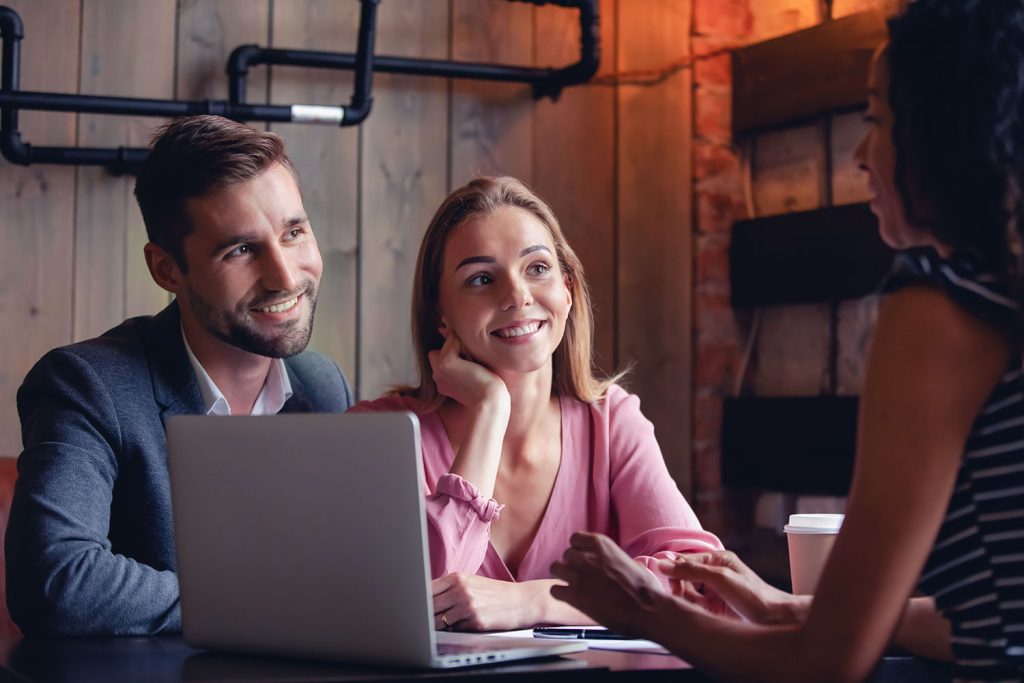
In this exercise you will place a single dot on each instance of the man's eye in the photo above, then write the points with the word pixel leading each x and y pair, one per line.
pixel 479 279
pixel 294 233
pixel 240 250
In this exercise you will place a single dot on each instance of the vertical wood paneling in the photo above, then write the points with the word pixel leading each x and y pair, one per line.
pixel 111 278
pixel 574 159
pixel 208 30
pixel 403 172
pixel 37 212
pixel 327 158
pixel 655 222
pixel 492 123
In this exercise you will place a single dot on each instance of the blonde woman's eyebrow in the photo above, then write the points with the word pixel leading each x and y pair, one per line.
pixel 490 259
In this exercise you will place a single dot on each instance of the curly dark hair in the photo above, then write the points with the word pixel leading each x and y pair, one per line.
pixel 956 88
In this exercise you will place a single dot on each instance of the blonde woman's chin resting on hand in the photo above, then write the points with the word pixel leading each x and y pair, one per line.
pixel 522 443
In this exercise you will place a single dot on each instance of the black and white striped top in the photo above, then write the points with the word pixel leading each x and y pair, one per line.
pixel 976 568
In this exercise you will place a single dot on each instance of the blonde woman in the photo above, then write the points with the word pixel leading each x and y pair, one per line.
pixel 522 444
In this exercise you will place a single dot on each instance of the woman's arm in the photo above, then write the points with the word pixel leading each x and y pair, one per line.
pixel 652 518
pixel 729 587
pixel 484 403
pixel 930 370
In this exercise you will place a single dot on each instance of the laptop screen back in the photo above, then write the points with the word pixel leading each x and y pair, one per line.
pixel 302 534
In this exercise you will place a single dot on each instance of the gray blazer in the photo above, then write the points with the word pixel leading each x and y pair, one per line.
pixel 90 543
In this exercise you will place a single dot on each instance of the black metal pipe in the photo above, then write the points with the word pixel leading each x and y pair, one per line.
pixel 359 108
pixel 245 56
pixel 590 51
pixel 547 82
pixel 132 106
pixel 11 32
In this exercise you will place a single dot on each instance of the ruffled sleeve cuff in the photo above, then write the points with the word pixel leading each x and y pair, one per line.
pixel 454 486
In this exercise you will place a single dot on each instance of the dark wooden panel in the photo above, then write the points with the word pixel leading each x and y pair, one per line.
pixel 820 69
pixel 811 256
pixel 793 445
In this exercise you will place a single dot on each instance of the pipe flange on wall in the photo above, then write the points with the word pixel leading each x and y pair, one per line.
pixel 546 82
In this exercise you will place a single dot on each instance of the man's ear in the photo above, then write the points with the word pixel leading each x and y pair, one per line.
pixel 163 268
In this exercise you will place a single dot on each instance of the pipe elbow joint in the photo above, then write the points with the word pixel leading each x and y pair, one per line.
pixel 241 58
pixel 11 26
pixel 15 150
pixel 357 111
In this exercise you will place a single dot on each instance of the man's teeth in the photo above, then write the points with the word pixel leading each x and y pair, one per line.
pixel 509 332
pixel 279 308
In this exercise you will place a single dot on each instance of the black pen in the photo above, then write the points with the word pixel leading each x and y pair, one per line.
pixel 576 633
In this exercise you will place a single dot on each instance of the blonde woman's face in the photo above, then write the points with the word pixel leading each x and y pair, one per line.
pixel 502 291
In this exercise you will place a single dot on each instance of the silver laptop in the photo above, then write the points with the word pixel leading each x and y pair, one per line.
pixel 305 535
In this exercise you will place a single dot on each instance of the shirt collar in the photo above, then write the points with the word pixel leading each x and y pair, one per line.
pixel 277 388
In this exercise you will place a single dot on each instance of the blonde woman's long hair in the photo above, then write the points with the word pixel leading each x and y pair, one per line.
pixel 573 363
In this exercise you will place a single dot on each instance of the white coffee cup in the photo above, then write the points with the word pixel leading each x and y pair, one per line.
pixel 810 541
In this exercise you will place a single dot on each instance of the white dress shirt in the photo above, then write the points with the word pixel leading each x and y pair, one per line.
pixel 277 388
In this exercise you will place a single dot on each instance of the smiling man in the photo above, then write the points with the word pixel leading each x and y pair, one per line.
pixel 90 544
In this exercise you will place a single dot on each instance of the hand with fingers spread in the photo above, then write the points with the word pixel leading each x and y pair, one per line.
pixel 461 378
pixel 605 583
pixel 720 583
pixel 465 602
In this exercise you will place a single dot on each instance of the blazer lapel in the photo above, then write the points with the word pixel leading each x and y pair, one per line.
pixel 299 402
pixel 174 382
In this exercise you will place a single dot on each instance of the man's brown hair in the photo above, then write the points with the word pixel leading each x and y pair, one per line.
pixel 192 157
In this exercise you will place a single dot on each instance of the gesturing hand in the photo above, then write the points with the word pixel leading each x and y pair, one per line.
pixel 459 377
pixel 720 583
pixel 605 583
pixel 475 603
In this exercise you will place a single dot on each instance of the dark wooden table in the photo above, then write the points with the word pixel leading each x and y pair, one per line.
pixel 167 659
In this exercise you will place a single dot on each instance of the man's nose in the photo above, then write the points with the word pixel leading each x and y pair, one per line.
pixel 278 271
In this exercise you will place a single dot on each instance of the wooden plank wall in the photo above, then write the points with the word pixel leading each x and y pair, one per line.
pixel 612 158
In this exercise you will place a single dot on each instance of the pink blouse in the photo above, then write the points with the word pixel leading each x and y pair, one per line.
pixel 612 479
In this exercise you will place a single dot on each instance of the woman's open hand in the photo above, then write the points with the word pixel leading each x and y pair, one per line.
pixel 605 583
pixel 720 583
pixel 459 377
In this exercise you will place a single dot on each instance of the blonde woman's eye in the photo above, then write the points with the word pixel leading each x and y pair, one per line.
pixel 539 269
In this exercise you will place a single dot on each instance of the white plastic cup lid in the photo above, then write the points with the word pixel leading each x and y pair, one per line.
pixel 814 524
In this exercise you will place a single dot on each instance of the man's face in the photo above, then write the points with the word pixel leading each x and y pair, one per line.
pixel 253 267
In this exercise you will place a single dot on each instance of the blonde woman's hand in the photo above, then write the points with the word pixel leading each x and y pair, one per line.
pixel 462 379
pixel 465 602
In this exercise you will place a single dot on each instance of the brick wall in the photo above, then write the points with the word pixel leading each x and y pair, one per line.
pixel 793 350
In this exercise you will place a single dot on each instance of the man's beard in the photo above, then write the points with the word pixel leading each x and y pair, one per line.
pixel 236 328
